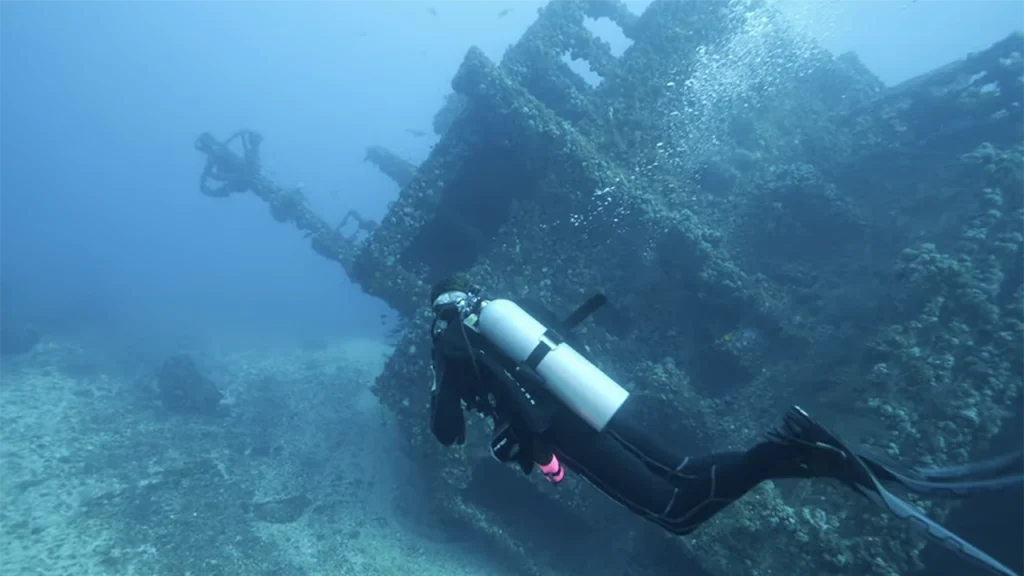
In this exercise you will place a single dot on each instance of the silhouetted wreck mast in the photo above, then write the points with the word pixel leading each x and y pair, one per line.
pixel 228 172
pixel 546 187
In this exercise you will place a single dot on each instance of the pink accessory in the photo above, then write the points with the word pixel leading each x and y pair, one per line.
pixel 553 471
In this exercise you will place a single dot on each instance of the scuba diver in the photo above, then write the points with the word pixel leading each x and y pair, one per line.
pixel 553 409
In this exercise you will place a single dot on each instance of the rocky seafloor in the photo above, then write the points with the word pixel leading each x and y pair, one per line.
pixel 302 476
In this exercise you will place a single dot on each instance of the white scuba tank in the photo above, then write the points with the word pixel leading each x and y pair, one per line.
pixel 584 388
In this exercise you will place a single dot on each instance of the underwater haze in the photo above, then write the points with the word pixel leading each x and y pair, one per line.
pixel 103 226
pixel 120 280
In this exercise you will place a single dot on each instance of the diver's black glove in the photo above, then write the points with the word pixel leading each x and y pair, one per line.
pixel 507 446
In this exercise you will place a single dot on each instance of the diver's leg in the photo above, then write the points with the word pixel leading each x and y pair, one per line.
pixel 610 468
pixel 708 483
pixel 736 471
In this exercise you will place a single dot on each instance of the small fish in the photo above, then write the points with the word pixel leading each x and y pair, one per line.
pixel 741 337
pixel 416 133
pixel 504 13
pixel 431 10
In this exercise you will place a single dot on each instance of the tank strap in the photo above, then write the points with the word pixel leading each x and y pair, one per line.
pixel 553 335
pixel 551 340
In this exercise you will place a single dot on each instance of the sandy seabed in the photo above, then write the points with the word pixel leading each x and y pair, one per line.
pixel 302 477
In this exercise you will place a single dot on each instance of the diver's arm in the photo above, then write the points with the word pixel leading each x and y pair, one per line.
pixel 447 421
pixel 449 359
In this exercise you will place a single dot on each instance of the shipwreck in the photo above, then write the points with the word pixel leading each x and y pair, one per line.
pixel 771 226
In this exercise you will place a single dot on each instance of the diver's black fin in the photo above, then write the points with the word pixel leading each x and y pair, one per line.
pixel 997 467
pixel 939 534
pixel 1000 466
pixel 995 474
pixel 799 428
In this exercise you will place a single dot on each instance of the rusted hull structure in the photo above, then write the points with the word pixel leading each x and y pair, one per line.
pixel 798 235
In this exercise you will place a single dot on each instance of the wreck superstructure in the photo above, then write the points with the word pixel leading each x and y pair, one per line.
pixel 790 232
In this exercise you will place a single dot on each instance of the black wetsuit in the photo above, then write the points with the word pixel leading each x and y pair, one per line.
pixel 651 478
pixel 625 461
